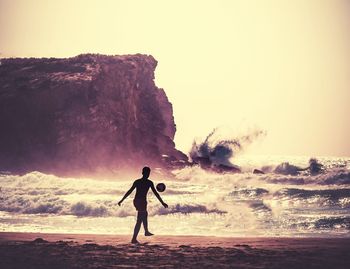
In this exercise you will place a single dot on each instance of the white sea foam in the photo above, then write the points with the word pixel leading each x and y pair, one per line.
pixel 200 202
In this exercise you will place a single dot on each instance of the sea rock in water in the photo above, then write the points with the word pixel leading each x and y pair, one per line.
pixel 39 240
pixel 315 167
pixel 86 115
pixel 257 171
pixel 206 163
pixel 221 168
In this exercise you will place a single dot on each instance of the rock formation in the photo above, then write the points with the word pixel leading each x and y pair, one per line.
pixel 86 115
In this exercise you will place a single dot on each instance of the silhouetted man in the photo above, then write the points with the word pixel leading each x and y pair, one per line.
pixel 142 186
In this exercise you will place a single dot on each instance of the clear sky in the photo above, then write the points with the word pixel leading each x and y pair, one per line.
pixel 282 66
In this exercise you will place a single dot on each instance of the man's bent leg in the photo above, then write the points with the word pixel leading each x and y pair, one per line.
pixel 144 221
pixel 145 224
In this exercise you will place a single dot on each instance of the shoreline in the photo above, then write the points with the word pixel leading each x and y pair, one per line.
pixel 198 240
pixel 42 250
pixel 176 240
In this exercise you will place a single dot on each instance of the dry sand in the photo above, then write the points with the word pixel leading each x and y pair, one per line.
pixel 33 250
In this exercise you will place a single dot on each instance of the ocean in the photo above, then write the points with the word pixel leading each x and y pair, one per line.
pixel 281 202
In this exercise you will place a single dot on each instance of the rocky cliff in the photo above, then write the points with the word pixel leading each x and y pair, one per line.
pixel 86 115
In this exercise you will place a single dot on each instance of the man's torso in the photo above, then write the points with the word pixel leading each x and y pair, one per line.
pixel 142 187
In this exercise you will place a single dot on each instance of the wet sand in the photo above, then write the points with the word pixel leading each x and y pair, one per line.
pixel 35 250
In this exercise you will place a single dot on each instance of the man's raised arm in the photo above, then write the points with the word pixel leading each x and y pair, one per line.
pixel 158 196
pixel 127 193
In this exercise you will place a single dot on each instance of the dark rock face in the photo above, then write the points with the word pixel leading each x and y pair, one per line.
pixel 91 114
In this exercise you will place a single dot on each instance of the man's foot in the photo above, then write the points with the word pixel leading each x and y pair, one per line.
pixel 148 234
pixel 134 241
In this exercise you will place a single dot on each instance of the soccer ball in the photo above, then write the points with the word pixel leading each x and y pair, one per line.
pixel 160 187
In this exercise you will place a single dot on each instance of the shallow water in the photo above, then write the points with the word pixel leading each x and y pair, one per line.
pixel 200 202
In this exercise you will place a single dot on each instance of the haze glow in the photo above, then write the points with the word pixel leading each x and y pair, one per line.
pixel 282 66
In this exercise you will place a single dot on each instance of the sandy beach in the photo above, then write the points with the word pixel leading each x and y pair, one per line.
pixel 36 250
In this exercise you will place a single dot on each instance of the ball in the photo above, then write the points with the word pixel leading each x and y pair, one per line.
pixel 160 187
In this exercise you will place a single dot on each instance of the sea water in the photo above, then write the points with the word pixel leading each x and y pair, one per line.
pixel 201 202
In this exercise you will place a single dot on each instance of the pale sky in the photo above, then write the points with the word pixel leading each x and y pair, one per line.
pixel 282 66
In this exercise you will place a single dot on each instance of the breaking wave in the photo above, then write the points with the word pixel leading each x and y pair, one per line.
pixel 333 223
pixel 187 209
pixel 217 151
pixel 249 192
pixel 332 194
pixel 314 201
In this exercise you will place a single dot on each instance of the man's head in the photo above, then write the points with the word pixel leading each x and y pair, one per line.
pixel 146 171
